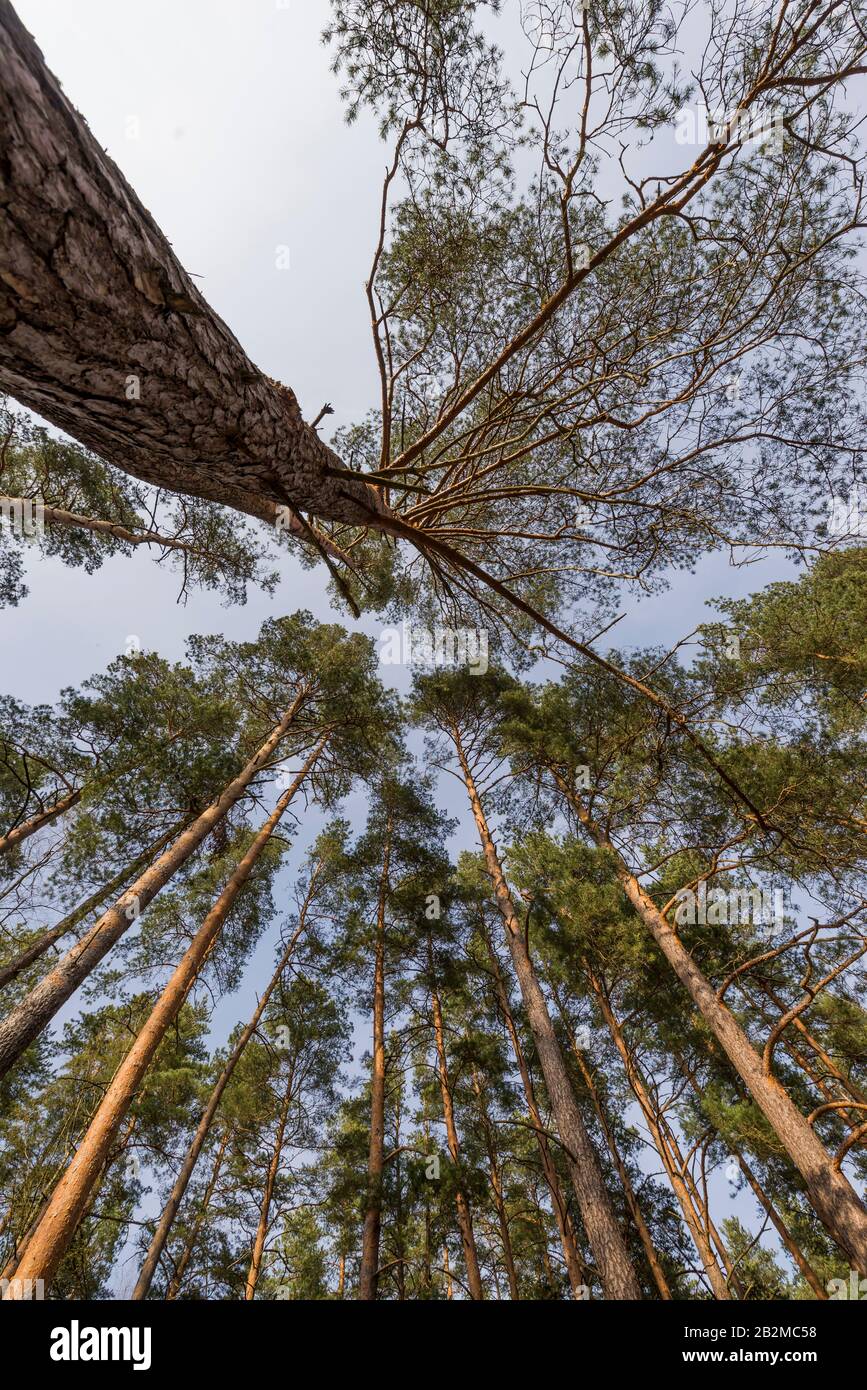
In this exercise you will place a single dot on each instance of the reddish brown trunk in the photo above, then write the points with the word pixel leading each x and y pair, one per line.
pixel 47 940
pixel 782 1230
pixel 94 303
pixel 30 827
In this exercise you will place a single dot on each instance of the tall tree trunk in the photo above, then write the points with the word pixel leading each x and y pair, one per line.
pixel 71 920
pixel 496 1179
pixel 36 1010
pixel 92 296
pixel 189 1246
pixel 188 1166
pixel 574 1266
pixel 58 1224
pixel 465 1216
pixel 834 1199
pixel 623 1173
pixel 615 1269
pixel 664 1141
pixel 267 1196
pixel 369 1272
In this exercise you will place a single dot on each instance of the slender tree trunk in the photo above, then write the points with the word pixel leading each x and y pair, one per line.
pixel 702 1206
pixel 369 1273
pixel 497 1190
pixel 834 1199
pixel 267 1195
pixel 23 832
pixel 623 1173
pixel 465 1216
pixel 782 1229
pixel 341 1276
pixel 448 1273
pixel 58 1224
pixel 46 941
pixel 188 1166
pixel 186 1254
pixel 35 1011
pixel 767 1205
pixel 574 1266
pixel 665 1143
pixel 615 1269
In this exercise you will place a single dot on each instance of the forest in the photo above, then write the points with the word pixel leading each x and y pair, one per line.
pixel 435 944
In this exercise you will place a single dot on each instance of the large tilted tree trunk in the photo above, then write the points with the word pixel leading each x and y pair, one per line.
pixel 103 333
pixel 176 1196
pixel 71 920
pixel 57 1227
pixel 834 1199
pixel 618 1278
pixel 268 1193
pixel 574 1267
pixel 36 1010
pixel 465 1215
pixel 38 822
pixel 368 1277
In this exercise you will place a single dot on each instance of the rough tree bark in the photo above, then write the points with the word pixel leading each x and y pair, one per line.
pixel 574 1267
pixel 103 333
pixel 629 1193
